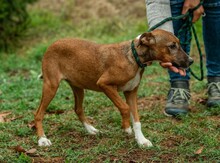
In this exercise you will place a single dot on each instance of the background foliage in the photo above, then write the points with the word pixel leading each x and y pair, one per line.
pixel 13 21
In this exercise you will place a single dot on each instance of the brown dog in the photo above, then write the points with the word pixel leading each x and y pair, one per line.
pixel 108 68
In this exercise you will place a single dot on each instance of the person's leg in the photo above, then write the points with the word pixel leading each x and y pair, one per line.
pixel 211 35
pixel 157 11
pixel 178 96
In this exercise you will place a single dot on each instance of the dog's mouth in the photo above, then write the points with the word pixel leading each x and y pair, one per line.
pixel 178 66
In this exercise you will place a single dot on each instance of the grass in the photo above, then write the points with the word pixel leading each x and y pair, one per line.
pixel 175 140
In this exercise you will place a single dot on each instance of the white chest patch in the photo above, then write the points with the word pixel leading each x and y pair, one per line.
pixel 133 83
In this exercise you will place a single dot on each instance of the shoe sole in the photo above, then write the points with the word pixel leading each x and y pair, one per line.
pixel 168 115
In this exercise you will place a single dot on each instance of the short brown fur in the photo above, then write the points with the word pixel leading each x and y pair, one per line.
pixel 106 68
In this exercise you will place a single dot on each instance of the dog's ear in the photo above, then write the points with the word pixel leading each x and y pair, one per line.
pixel 147 39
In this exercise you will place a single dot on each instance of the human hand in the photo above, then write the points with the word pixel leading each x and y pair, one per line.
pixel 172 68
pixel 189 4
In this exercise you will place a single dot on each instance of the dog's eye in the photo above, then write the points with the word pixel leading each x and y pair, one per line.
pixel 172 46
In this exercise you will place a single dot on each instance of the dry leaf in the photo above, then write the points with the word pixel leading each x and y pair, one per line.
pixel 31 125
pixel 199 151
pixel 13 118
pixel 20 149
pixel 3 115
pixel 31 151
pixel 2 119
pixel 202 101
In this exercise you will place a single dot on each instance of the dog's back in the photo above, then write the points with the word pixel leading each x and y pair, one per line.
pixel 73 59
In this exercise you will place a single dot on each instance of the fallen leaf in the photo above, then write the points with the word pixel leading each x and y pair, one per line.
pixel 31 125
pixel 31 151
pixel 199 151
pixel 2 119
pixel 114 160
pixel 202 101
pixel 3 115
pixel 20 149
pixel 13 118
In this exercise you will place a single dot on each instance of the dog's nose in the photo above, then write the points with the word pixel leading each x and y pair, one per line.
pixel 190 61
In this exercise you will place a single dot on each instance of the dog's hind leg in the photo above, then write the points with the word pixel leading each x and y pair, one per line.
pixel 79 95
pixel 131 99
pixel 49 91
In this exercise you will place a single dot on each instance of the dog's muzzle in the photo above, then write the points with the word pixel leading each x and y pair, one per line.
pixel 190 61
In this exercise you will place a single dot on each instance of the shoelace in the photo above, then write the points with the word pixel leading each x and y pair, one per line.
pixel 214 88
pixel 180 94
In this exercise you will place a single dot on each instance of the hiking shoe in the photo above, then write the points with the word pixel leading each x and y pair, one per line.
pixel 213 92
pixel 178 99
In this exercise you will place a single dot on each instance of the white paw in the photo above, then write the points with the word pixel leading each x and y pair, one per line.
pixel 43 141
pixel 91 130
pixel 143 142
pixel 128 131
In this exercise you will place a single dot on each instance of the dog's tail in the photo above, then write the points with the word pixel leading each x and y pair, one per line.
pixel 40 77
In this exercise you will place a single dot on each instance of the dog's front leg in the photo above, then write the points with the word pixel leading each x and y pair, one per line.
pixel 131 99
pixel 112 93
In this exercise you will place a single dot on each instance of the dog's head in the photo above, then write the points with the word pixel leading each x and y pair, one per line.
pixel 165 47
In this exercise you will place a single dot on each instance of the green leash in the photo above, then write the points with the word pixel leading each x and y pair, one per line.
pixel 187 26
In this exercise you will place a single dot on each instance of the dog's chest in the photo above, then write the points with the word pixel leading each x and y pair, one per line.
pixel 133 83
